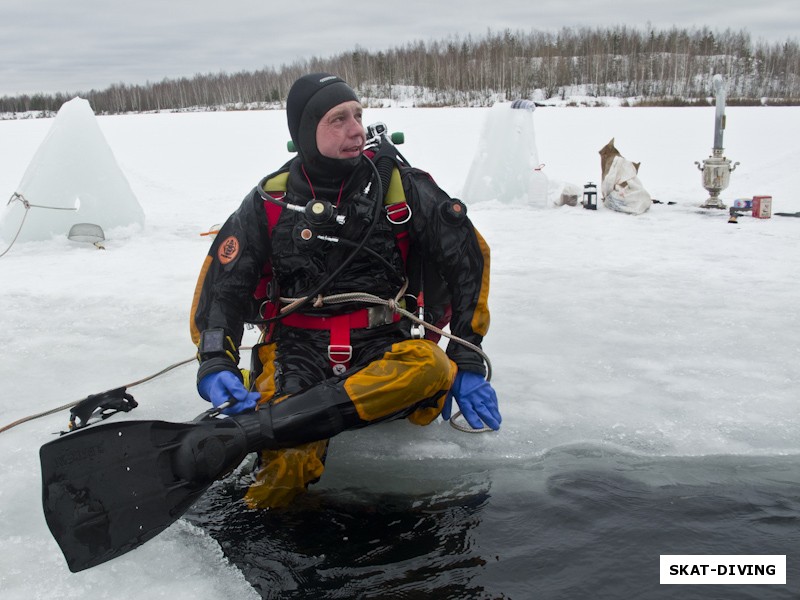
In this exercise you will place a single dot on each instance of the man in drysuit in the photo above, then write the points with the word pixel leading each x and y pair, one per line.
pixel 305 256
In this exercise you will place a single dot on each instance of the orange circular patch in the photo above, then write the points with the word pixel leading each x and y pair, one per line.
pixel 228 250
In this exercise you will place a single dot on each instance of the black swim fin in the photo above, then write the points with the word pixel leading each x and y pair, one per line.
pixel 109 488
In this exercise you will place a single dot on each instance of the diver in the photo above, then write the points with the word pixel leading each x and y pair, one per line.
pixel 304 256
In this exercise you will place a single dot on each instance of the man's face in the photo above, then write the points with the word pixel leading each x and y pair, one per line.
pixel 340 133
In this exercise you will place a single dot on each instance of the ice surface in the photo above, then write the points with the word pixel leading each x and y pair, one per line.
pixel 669 333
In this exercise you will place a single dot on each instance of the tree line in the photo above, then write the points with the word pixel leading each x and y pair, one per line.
pixel 650 65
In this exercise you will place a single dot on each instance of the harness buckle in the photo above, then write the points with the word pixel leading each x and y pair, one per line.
pixel 340 353
pixel 398 213
pixel 378 316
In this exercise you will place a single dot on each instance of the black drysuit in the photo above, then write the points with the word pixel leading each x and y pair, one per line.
pixel 389 375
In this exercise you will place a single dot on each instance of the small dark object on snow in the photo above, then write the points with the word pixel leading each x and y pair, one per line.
pixel 101 406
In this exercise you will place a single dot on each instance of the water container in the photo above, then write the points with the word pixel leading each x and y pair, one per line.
pixel 537 188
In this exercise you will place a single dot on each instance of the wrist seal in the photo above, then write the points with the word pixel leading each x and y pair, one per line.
pixel 214 343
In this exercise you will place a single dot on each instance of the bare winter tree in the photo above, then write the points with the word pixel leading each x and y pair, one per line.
pixel 647 66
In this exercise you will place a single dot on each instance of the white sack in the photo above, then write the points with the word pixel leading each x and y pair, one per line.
pixel 622 190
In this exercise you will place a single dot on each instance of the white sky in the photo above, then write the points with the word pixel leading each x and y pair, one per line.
pixel 52 45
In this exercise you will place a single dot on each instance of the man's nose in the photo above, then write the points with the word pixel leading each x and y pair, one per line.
pixel 354 127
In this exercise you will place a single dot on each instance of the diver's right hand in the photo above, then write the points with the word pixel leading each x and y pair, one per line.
pixel 224 386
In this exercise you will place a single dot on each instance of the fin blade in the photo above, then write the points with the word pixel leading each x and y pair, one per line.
pixel 109 489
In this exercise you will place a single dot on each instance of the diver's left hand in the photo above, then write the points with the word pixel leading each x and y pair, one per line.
pixel 477 400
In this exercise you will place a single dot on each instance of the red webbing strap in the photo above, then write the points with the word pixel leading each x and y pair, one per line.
pixel 273 211
pixel 354 320
pixel 340 351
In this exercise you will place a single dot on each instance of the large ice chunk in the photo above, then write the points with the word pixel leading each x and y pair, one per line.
pixel 506 165
pixel 73 170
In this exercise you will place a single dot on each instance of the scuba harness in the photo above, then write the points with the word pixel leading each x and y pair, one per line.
pixel 386 194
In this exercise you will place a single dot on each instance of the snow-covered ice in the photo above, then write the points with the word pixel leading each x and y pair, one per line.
pixel 669 333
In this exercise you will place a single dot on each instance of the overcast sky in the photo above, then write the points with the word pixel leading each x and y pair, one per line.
pixel 77 45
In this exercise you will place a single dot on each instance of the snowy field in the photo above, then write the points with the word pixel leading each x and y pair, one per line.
pixel 672 333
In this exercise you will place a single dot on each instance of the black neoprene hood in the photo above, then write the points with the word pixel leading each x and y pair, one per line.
pixel 309 99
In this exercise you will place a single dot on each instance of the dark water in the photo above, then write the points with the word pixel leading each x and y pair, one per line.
pixel 577 522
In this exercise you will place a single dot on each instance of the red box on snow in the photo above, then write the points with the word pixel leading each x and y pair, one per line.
pixel 762 207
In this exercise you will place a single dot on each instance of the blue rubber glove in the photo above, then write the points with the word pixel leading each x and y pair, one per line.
pixel 477 400
pixel 224 386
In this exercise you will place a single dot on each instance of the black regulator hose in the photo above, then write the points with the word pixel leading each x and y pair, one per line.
pixel 350 257
pixel 383 169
